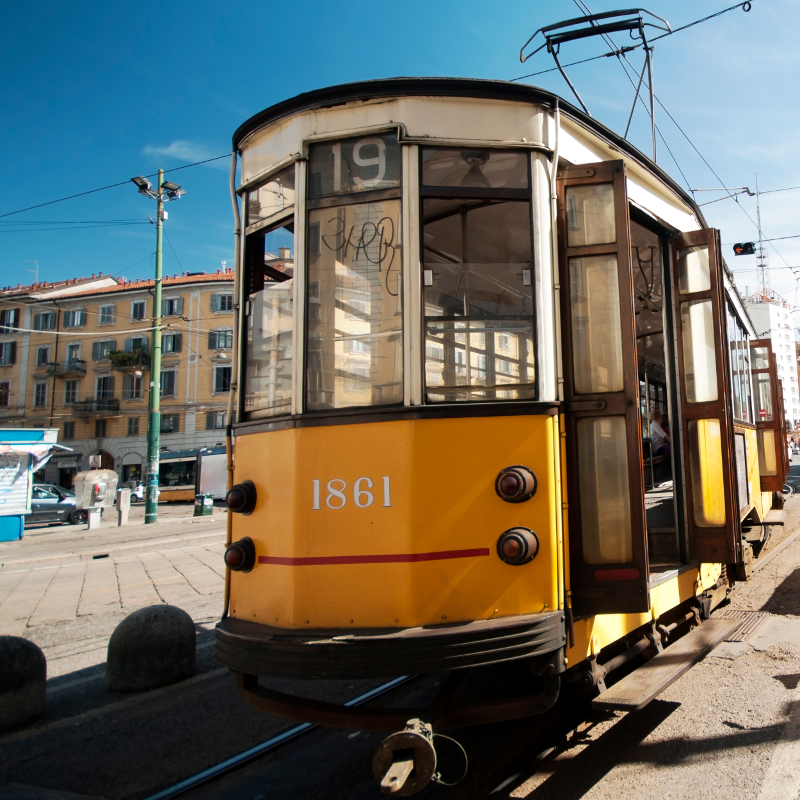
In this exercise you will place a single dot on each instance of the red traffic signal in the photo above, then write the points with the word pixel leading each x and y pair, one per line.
pixel 744 249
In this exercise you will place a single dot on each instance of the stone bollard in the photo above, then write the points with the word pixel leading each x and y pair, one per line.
pixel 152 647
pixel 23 677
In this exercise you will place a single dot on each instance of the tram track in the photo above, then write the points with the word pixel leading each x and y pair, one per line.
pixel 251 754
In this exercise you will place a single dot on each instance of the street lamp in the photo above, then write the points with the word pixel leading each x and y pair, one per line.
pixel 165 192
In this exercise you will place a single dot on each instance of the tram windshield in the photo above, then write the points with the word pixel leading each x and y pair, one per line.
pixel 477 276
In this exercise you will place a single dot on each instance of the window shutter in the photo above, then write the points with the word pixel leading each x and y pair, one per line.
pixel 143 343
pixel 82 317
pixel 13 355
pixel 215 302
pixel 37 322
pixel 179 309
pixel 212 340
pixel 177 340
pixel 129 345
pixel 164 308
pixel 96 351
pixel 112 345
pixel 209 420
pixel 127 386
pixel 110 385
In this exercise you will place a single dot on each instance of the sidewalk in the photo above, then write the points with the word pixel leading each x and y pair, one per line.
pixel 67 588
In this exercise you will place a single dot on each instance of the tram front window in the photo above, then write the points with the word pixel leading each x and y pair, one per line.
pixel 268 323
pixel 478 276
pixel 354 303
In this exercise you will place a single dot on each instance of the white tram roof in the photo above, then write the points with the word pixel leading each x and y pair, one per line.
pixel 466 111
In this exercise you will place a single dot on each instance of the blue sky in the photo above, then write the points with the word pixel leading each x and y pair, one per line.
pixel 94 93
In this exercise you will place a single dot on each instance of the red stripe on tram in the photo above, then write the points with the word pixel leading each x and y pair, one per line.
pixel 394 558
pixel 628 574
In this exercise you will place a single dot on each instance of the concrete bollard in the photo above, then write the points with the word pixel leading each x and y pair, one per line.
pixel 23 679
pixel 152 647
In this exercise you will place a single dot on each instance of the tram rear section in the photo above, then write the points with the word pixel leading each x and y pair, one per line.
pixel 444 459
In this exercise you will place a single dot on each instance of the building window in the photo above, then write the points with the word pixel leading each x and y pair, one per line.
pixel 73 352
pixel 5 393
pixel 74 319
pixel 222 302
pixel 136 344
pixel 360 306
pixel 170 423
pixel 8 353
pixel 100 428
pixel 105 387
pixel 503 341
pixel 222 380
pixel 133 426
pixel 168 381
pixel 138 309
pixel 358 345
pixel 9 320
pixel 171 343
pixel 40 395
pixel 106 315
pixel 215 420
pixel 44 321
pixel 70 392
pixel 100 350
pixel 69 430
pixel 42 355
pixel 221 339
pixel 172 307
pixel 132 387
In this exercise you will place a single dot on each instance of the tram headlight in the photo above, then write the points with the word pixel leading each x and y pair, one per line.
pixel 517 546
pixel 242 498
pixel 241 556
pixel 515 484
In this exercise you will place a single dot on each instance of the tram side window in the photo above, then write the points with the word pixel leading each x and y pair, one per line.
pixel 739 345
pixel 269 345
pixel 354 304
pixel 478 276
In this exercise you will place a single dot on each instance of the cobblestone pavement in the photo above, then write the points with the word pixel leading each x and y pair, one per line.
pixel 66 588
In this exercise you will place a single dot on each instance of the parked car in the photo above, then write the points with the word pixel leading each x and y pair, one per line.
pixel 51 503
pixel 137 490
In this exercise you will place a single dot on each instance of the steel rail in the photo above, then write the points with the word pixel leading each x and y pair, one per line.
pixel 246 756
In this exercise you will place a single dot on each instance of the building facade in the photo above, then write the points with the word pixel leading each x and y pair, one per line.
pixel 78 359
pixel 772 318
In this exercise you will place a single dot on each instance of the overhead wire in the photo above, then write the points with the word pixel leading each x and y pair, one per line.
pixel 110 186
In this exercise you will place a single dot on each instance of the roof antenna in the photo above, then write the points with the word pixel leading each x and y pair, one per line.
pixel 35 272
pixel 633 22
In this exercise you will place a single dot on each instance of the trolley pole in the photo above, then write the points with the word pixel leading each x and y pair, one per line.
pixel 154 409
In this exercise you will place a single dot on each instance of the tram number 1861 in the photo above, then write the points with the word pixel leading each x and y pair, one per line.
pixel 337 494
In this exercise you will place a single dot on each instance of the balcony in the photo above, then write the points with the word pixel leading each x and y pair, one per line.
pixel 126 362
pixel 72 368
pixel 89 408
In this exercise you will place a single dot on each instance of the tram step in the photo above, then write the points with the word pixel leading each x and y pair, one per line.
pixel 775 516
pixel 646 683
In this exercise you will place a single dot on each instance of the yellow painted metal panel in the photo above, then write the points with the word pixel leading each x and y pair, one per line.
pixel 442 499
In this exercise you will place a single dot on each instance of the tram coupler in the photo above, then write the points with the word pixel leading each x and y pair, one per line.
pixel 405 762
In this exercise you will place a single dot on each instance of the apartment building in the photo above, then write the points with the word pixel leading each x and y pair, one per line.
pixel 772 318
pixel 79 360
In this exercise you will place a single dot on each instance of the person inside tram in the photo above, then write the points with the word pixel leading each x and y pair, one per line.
pixel 659 438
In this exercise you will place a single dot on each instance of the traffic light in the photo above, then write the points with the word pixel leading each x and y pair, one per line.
pixel 744 249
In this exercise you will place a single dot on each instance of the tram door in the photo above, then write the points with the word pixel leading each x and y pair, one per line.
pixel 605 470
pixel 705 398
pixel 769 422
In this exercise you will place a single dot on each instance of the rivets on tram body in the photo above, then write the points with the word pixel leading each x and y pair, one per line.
pixel 517 546
pixel 515 484
pixel 241 498
pixel 241 556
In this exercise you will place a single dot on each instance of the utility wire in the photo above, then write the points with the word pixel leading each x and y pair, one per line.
pixel 110 186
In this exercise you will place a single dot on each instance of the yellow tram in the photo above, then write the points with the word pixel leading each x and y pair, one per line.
pixel 459 304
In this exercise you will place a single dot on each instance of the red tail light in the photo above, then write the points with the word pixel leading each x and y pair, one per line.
pixel 518 546
pixel 516 484
pixel 241 556
pixel 242 498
